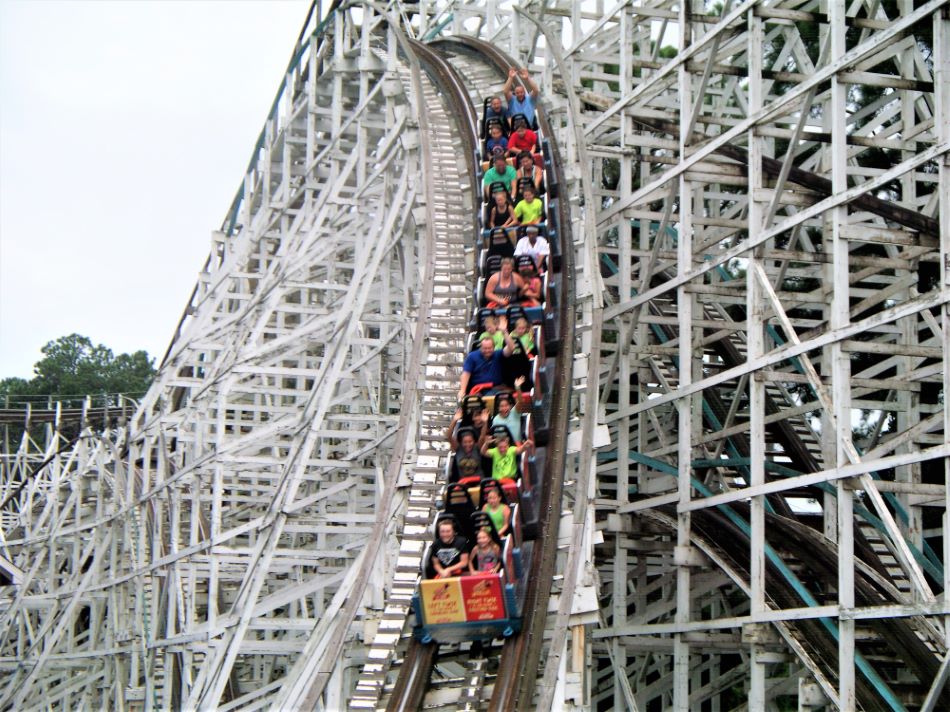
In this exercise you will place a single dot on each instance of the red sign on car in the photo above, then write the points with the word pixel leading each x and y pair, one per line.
pixel 483 597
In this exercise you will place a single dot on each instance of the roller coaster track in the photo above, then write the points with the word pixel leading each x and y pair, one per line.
pixel 399 241
pixel 451 183
pixel 20 416
pixel 797 553
pixel 911 641
pixel 514 687
pixel 798 574
pixel 482 69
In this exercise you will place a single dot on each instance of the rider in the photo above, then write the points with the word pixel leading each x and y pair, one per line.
pixel 449 554
pixel 495 111
pixel 499 512
pixel 468 459
pixel 486 556
pixel 504 287
pixel 502 213
pixel 496 140
pixel 529 209
pixel 482 368
pixel 521 139
pixel 508 415
pixel 528 171
pixel 520 100
pixel 535 246
pixel 500 172
pixel 504 456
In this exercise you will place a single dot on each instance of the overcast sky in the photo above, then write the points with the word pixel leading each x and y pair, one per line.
pixel 125 129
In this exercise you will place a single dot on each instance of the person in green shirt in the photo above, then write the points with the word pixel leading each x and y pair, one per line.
pixel 522 332
pixel 529 209
pixel 495 330
pixel 500 172
pixel 504 456
pixel 499 512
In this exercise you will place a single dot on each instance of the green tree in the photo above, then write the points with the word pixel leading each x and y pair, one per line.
pixel 73 367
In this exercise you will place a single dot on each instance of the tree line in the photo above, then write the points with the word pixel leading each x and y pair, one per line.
pixel 73 368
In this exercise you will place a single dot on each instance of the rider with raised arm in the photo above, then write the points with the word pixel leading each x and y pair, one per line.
pixel 468 459
pixel 520 99
pixel 509 412
pixel 504 456
pixel 482 368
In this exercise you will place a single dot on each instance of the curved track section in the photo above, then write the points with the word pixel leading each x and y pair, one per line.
pixel 802 565
pixel 747 405
pixel 450 134
pixel 512 673
pixel 762 281
pixel 514 688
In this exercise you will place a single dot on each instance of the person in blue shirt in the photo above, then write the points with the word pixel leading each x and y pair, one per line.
pixel 496 139
pixel 482 368
pixel 521 100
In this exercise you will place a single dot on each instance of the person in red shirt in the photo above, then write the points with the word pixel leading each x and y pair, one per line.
pixel 521 139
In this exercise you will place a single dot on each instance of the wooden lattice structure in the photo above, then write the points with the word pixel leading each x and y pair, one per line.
pixel 188 559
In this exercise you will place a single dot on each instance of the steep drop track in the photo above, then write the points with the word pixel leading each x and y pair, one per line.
pixel 449 131
pixel 482 70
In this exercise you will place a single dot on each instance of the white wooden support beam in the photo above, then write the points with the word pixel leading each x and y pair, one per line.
pixel 755 348
pixel 686 420
pixel 775 108
pixel 941 71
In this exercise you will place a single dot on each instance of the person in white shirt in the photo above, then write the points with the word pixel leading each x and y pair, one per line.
pixel 535 246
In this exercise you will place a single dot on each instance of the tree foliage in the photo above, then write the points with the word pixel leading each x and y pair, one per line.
pixel 73 367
